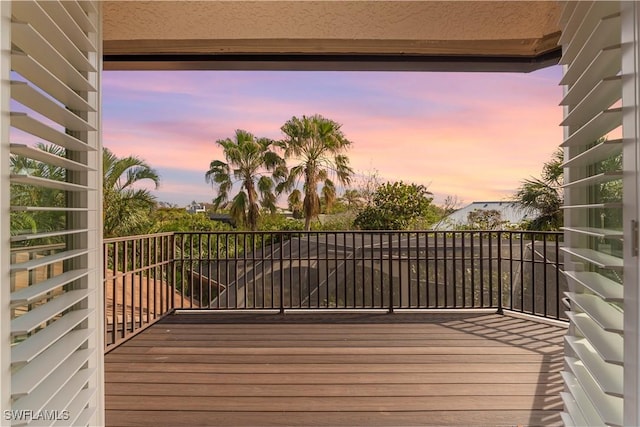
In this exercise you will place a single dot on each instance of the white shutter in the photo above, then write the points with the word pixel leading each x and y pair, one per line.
pixel 593 213
pixel 56 323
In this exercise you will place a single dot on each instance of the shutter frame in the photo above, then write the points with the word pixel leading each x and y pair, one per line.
pixel 592 56
pixel 630 40
pixel 55 318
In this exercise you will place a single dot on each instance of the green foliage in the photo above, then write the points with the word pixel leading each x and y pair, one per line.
pixel 317 144
pixel 126 209
pixel 278 222
pixel 353 199
pixel 610 191
pixel 485 219
pixel 339 206
pixel 544 195
pixel 335 222
pixel 248 159
pixel 29 222
pixel 295 204
pixel 395 206
pixel 431 216
pixel 179 220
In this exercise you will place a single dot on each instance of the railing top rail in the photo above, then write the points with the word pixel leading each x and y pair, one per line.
pixel 555 233
pixel 329 232
pixel 139 236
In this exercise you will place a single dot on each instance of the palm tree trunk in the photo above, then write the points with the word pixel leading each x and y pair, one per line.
pixel 310 194
pixel 252 208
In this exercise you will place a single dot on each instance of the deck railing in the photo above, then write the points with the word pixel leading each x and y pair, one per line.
pixel 139 283
pixel 353 270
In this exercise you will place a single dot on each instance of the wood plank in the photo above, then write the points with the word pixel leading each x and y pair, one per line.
pixel 223 335
pixel 502 334
pixel 331 358
pixel 332 350
pixel 321 320
pixel 340 378
pixel 358 334
pixel 324 403
pixel 331 390
pixel 322 346
pixel 351 329
pixel 303 340
pixel 264 368
pixel 422 339
pixel 332 418
pixel 510 324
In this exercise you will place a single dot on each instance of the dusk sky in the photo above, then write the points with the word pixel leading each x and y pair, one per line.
pixel 471 135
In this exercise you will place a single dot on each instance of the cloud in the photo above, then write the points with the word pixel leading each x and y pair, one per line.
pixel 476 135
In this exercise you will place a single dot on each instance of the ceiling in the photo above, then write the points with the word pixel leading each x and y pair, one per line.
pixel 366 34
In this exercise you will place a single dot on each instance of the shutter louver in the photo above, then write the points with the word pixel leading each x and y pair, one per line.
pixel 593 213
pixel 54 143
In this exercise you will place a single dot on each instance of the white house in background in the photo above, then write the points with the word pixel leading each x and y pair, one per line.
pixel 511 214
pixel 196 208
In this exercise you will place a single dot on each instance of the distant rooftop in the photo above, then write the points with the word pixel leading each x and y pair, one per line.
pixel 511 213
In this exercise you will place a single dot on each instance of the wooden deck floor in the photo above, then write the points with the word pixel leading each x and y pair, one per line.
pixel 337 370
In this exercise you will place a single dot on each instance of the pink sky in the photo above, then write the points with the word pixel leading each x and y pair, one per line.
pixel 473 135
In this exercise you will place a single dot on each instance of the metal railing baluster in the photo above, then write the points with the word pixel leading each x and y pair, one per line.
pixel 182 264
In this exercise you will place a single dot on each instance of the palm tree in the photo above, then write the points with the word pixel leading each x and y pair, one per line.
pixel 126 208
pixel 295 203
pixel 317 145
pixel 247 160
pixel 23 221
pixel 544 195
pixel 353 198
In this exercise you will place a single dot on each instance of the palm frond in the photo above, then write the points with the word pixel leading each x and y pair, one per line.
pixel 248 159
pixel 317 143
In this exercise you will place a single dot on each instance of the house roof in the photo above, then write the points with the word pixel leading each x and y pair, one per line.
pixel 365 34
pixel 510 212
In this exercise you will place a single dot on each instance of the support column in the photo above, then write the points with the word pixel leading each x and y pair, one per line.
pixel 630 12
pixel 5 247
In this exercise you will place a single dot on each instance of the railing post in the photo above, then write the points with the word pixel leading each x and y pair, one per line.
pixel 390 246
pixel 281 276
pixel 172 269
pixel 500 281
pixel 105 263
pixel 557 266
pixel 544 273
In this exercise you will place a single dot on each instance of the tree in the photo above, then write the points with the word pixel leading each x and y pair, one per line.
pixel 544 195
pixel 352 198
pixel 449 206
pixel 126 207
pixel 395 206
pixel 317 144
pixel 295 204
pixel 484 219
pixel 23 221
pixel 610 191
pixel 328 196
pixel 248 160
pixel 178 219
pixel 368 184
